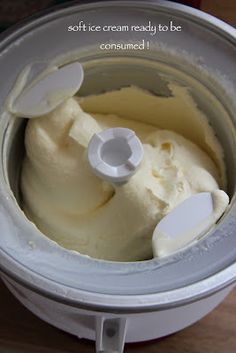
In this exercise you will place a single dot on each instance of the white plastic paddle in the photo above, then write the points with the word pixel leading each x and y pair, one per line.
pixel 47 92
pixel 188 221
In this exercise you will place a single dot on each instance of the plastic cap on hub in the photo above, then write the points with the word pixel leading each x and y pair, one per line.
pixel 115 154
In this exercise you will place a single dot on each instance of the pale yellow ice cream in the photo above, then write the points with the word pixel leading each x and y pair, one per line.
pixel 72 206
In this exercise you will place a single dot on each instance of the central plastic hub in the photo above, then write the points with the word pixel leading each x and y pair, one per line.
pixel 115 154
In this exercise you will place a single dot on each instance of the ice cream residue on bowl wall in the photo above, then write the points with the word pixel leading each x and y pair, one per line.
pixel 81 212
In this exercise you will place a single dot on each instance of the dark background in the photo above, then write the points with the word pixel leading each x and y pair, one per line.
pixel 12 11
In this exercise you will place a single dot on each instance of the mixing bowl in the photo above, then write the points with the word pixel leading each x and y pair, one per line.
pixel 112 302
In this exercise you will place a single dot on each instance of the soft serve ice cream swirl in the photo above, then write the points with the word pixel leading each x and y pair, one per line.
pixel 79 211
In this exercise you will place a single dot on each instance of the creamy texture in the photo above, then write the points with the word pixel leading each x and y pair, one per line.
pixel 78 210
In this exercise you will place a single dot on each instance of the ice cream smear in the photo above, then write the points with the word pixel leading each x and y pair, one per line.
pixel 82 212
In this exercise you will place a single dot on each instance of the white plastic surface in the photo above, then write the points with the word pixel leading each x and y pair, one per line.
pixel 110 334
pixel 187 216
pixel 183 224
pixel 47 93
pixel 136 327
pixel 115 154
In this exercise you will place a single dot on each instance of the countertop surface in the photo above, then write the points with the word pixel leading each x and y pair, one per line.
pixel 22 332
